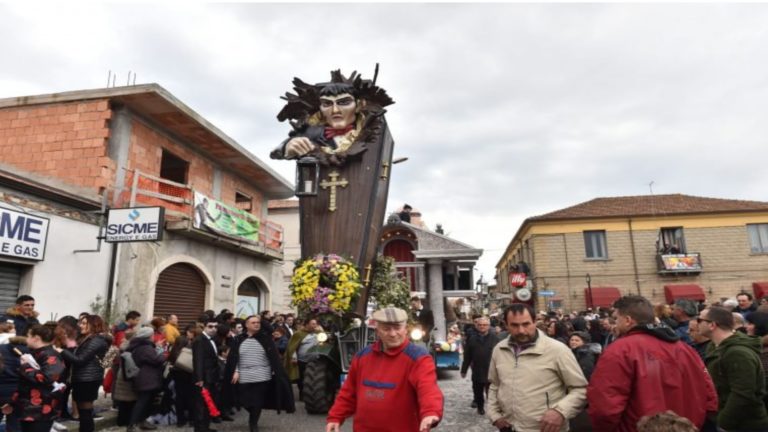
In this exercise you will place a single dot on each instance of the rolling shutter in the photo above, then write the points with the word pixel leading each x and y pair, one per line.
pixel 180 290
pixel 10 278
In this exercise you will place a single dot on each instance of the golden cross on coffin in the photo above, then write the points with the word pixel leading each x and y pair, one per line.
pixel 325 184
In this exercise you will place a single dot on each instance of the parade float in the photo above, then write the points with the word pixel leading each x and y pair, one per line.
pixel 343 152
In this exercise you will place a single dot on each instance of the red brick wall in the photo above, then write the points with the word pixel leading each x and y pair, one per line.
pixel 66 141
pixel 146 152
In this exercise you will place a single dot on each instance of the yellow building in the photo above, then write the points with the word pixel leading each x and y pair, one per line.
pixel 663 247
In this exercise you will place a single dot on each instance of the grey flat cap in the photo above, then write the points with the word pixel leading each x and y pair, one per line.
pixel 390 315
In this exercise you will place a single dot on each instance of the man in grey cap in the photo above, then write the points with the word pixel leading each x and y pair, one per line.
pixel 683 311
pixel 391 385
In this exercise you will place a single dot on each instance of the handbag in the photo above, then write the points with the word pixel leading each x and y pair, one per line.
pixel 184 361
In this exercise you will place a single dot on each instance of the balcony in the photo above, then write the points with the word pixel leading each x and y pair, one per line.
pixel 190 213
pixel 679 264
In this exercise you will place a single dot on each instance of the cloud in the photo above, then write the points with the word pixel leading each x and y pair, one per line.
pixel 505 111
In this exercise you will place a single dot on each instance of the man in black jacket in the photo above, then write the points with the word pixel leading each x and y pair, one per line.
pixel 205 362
pixel 477 354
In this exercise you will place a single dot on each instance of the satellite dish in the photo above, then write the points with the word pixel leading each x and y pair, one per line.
pixel 523 294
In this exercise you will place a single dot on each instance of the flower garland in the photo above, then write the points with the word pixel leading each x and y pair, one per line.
pixel 324 284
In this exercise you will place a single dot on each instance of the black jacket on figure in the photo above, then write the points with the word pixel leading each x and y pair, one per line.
pixel 85 359
pixel 9 378
pixel 279 394
pixel 150 365
pixel 477 353
pixel 205 361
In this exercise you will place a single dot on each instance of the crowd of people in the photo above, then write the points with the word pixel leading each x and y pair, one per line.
pixel 158 373
pixel 689 366
pixel 684 367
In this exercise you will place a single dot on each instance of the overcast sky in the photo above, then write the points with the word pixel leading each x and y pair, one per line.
pixel 504 111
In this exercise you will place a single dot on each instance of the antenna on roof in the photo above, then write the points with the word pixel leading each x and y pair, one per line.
pixel 129 79
pixel 650 186
pixel 109 77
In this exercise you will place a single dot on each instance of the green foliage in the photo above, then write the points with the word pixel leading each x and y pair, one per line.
pixel 388 288
pixel 99 307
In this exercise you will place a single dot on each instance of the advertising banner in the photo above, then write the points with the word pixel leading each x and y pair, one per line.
pixel 135 224
pixel 681 262
pixel 22 235
pixel 222 219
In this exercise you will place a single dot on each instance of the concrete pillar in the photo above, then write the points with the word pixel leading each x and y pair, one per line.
pixel 436 298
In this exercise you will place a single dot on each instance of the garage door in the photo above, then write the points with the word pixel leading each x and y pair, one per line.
pixel 180 290
pixel 10 278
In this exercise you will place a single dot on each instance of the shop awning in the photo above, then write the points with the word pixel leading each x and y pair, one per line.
pixel 684 291
pixel 601 296
pixel 760 289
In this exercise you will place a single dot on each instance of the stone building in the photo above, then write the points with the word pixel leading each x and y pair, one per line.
pixel 69 157
pixel 663 247
pixel 437 267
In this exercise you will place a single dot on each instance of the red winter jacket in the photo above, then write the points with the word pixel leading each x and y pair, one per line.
pixel 389 390
pixel 645 372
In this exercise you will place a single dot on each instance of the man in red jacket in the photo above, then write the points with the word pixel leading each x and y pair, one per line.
pixel 647 370
pixel 392 384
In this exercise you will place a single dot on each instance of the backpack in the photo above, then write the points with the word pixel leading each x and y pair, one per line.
pixel 130 370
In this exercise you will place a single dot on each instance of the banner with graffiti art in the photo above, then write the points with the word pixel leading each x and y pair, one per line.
pixel 215 216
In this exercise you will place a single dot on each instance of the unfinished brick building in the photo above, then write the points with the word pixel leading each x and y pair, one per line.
pixel 67 156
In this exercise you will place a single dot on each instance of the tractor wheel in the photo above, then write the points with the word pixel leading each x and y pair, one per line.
pixel 320 386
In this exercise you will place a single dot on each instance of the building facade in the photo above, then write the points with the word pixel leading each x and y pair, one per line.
pixel 71 157
pixel 286 214
pixel 663 247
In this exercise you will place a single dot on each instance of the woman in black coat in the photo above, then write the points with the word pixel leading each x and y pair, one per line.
pixel 256 369
pixel 150 378
pixel 585 351
pixel 184 381
pixel 87 373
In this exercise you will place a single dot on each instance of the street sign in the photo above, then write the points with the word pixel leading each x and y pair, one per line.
pixel 546 293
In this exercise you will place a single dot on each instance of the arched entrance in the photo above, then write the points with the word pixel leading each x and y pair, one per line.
pixel 180 290
pixel 251 297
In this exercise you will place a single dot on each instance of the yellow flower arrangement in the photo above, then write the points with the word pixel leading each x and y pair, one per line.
pixel 324 284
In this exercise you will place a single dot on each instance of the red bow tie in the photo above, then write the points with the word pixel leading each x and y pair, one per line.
pixel 331 132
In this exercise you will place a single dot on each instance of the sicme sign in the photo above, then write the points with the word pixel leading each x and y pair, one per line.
pixel 135 224
pixel 22 235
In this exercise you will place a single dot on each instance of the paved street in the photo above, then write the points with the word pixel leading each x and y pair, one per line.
pixel 458 414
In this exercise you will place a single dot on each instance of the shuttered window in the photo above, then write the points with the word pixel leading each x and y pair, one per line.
pixel 10 279
pixel 180 290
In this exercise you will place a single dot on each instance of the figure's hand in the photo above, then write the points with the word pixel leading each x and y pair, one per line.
pixel 332 427
pixel 501 424
pixel 199 384
pixel 463 374
pixel 7 409
pixel 552 421
pixel 235 377
pixel 427 423
pixel 297 147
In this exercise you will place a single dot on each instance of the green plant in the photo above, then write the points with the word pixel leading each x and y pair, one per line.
pixel 388 288
pixel 110 313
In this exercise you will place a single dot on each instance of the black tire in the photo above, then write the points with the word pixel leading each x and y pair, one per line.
pixel 320 386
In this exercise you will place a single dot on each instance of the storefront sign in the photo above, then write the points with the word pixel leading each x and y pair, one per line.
pixel 22 235
pixel 222 219
pixel 135 224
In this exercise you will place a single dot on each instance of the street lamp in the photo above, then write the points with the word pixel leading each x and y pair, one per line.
pixel 589 291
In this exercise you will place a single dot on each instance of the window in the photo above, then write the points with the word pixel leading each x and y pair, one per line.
pixel 594 245
pixel 672 241
pixel 173 168
pixel 758 237
pixel 243 201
